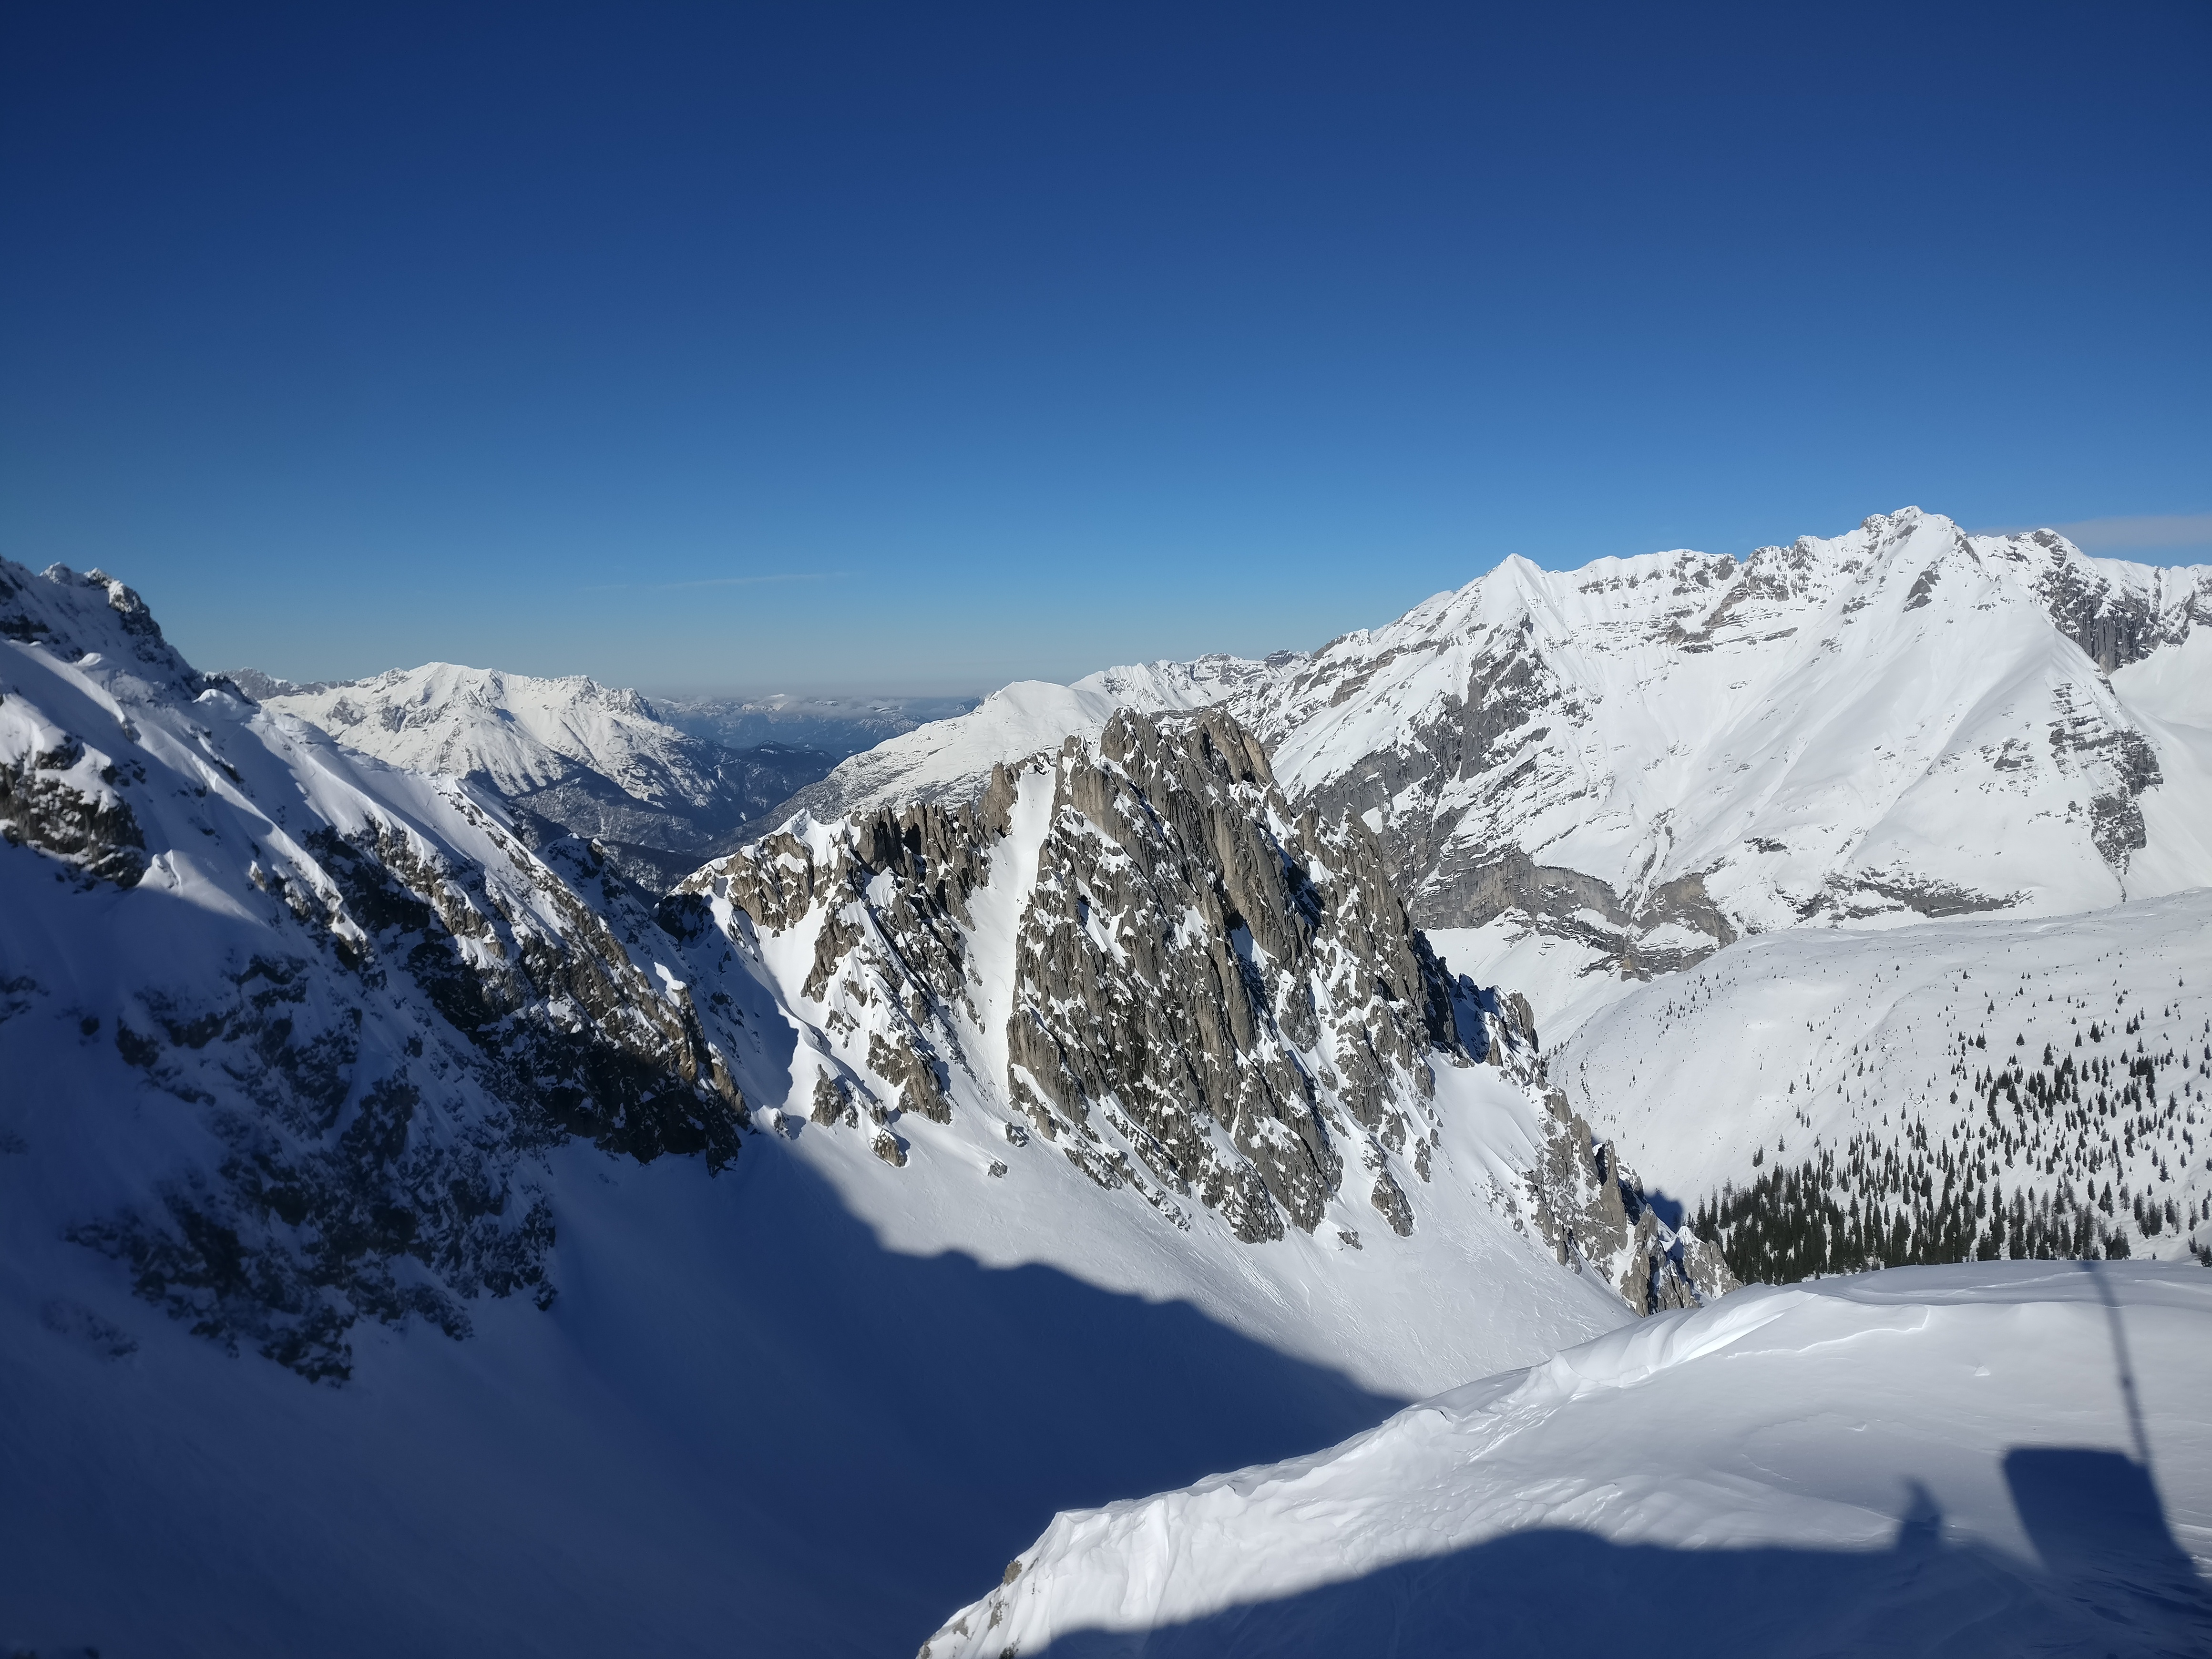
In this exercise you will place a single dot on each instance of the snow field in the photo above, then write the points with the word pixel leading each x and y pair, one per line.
pixel 1924 1460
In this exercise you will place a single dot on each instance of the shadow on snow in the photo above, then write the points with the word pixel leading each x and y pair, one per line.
pixel 2111 1580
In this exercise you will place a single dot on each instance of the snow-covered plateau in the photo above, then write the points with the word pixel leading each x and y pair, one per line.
pixel 2011 1458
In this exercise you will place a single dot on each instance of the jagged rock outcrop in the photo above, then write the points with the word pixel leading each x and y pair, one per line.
pixel 1580 1199
pixel 1135 953
pixel 1198 994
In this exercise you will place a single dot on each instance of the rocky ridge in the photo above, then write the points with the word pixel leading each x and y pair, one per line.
pixel 1588 778
pixel 346 1010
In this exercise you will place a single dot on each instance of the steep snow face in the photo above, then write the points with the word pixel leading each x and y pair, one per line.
pixel 288 1031
pixel 1997 1458
pixel 2002 1084
pixel 1649 758
pixel 589 758
pixel 951 759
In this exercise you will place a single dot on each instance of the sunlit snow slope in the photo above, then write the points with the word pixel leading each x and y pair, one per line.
pixel 1611 771
pixel 1995 1460
pixel 1946 1073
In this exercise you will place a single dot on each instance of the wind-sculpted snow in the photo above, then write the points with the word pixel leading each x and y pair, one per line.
pixel 2016 1086
pixel 576 756
pixel 2001 1459
pixel 288 1031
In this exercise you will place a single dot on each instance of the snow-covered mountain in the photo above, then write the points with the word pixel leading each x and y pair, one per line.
pixel 1615 771
pixel 2000 1458
pixel 380 1184
pixel 588 759
pixel 951 759
pixel 1130 965
pixel 1585 777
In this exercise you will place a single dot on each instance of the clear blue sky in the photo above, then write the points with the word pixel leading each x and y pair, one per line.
pixel 923 346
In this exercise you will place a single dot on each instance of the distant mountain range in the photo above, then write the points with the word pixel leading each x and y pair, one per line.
pixel 570 757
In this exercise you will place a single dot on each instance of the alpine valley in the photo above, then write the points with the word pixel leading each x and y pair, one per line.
pixel 494 1163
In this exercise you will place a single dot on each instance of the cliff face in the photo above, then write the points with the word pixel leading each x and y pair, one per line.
pixel 1134 952
pixel 1186 990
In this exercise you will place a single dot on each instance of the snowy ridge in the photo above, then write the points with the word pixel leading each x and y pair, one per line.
pixel 951 759
pixel 1620 769
pixel 588 758
pixel 352 1008
pixel 2010 1085
pixel 1931 1461
pixel 1586 777
pixel 522 734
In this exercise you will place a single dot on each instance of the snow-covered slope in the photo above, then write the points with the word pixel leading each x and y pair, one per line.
pixel 951 759
pixel 385 1265
pixel 2026 1084
pixel 285 1028
pixel 1995 1460
pixel 1614 771
pixel 591 759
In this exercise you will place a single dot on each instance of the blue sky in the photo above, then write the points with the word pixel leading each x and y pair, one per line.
pixel 919 348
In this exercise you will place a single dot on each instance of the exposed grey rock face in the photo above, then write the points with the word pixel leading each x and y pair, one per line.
pixel 1207 998
pixel 1134 951
pixel 1592 1211
pixel 2116 613
pixel 359 1004
pixel 1184 936
pixel 1580 1199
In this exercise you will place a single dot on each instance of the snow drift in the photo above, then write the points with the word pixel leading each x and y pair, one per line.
pixel 2000 1458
